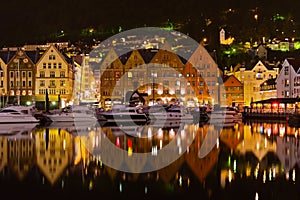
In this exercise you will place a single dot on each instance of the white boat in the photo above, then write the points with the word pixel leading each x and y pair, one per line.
pixel 225 116
pixel 74 114
pixel 171 112
pixel 17 114
pixel 123 114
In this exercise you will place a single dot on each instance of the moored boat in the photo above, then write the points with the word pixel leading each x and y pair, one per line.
pixel 17 114
pixel 123 114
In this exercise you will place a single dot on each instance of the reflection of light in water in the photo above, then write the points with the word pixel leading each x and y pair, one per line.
pixel 256 196
pixel 281 131
pixel 287 176
pixel 275 129
pixel 266 142
pixel 261 129
pixel 172 133
pixel 159 133
pixel 149 132
pixel 160 144
pixel 264 176
pixel 294 175
pixel 229 176
pixel 182 134
pixel 178 141
pixel 269 131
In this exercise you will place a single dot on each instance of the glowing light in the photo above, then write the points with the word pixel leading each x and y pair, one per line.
pixel 118 142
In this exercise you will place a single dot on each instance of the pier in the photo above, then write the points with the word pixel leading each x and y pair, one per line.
pixel 274 108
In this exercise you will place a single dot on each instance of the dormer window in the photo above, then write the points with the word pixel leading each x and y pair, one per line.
pixel 51 57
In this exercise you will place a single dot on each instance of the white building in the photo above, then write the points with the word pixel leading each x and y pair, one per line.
pixel 288 80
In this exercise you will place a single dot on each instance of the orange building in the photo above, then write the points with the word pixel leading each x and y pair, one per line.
pixel 234 91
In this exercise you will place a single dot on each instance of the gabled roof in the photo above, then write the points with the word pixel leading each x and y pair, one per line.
pixel 34 55
pixel 249 66
pixel 295 62
pixel 78 59
pixel 123 58
pixel 148 54
pixel 226 78
pixel 6 56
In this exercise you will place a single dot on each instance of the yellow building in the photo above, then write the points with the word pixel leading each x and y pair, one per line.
pixel 54 74
pixel 3 79
pixel 252 76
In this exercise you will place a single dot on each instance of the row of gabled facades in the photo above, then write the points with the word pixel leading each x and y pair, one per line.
pixel 157 75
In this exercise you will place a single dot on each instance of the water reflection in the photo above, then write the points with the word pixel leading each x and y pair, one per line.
pixel 60 156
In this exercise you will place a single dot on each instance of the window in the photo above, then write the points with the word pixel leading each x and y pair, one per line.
pixel 49 65
pixel 11 74
pixel 62 74
pixel 1 74
pixel 11 84
pixel 52 74
pixel 1 84
pixel 23 83
pixel 23 74
pixel 42 83
pixel 129 74
pixel 166 82
pixel 59 65
pixel 51 57
pixel 29 74
pixel 44 65
pixel 62 83
pixel 286 70
pixel 29 84
pixel 54 65
pixel 42 74
pixel 52 83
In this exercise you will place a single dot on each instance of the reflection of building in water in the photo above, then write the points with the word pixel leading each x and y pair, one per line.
pixel 21 156
pixel 288 152
pixel 232 136
pixel 54 150
pixel 273 128
pixel 3 152
pixel 201 167
pixel 258 144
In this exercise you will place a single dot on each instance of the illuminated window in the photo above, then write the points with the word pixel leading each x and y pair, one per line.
pixel 286 70
pixel 62 74
pixel 42 74
pixel 129 75
pixel 52 74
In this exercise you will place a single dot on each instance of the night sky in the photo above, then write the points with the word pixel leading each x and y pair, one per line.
pixel 33 21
